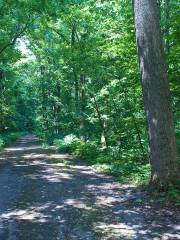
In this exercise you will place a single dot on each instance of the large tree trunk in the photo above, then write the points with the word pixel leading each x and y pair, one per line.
pixel 154 80
pixel 167 25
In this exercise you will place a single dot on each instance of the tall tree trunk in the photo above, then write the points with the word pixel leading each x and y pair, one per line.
pixel 83 105
pixel 102 123
pixel 76 82
pixel 58 107
pixel 76 88
pixel 155 86
pixel 167 25
pixel 44 99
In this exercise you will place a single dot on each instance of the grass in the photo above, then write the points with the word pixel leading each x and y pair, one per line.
pixel 126 172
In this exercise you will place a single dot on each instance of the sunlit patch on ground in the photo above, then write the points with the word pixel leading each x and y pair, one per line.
pixel 60 156
pixel 35 156
pixel 17 149
pixel 115 231
pixel 77 203
pixel 27 215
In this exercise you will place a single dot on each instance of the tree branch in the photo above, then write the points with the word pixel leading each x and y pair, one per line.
pixel 16 36
pixel 60 34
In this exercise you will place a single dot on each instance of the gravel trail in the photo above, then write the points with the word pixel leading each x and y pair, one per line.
pixel 50 196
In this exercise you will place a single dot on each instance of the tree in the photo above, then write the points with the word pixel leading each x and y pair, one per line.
pixel 155 86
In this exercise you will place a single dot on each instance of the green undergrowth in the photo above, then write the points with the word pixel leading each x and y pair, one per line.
pixel 165 194
pixel 125 168
pixel 7 138
pixel 126 172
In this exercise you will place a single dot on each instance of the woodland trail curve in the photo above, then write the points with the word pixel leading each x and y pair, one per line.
pixel 50 196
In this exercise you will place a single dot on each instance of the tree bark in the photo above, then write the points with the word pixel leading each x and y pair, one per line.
pixel 2 101
pixel 76 82
pixel 167 25
pixel 155 86
pixel 101 123
pixel 82 104
pixel 76 88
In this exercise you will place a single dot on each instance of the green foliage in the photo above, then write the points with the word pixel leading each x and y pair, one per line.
pixel 126 172
pixel 166 193
pixel 1 143
pixel 104 159
pixel 173 194
pixel 8 138
pixel 46 137
pixel 66 144
pixel 85 150
pixel 80 148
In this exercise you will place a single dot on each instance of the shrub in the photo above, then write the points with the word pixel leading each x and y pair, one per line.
pixel 85 150
pixel 129 172
pixel 7 138
pixel 66 144
pixel 69 139
pixel 80 148
pixel 104 158
pixel 1 143
pixel 61 146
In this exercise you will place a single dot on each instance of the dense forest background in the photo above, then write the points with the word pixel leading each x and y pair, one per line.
pixel 69 72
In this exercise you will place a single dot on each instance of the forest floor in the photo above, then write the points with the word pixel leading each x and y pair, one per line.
pixel 45 195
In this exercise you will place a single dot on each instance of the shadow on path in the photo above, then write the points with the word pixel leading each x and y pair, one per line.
pixel 51 196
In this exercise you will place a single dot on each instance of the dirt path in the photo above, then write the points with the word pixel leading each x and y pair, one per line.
pixel 48 196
